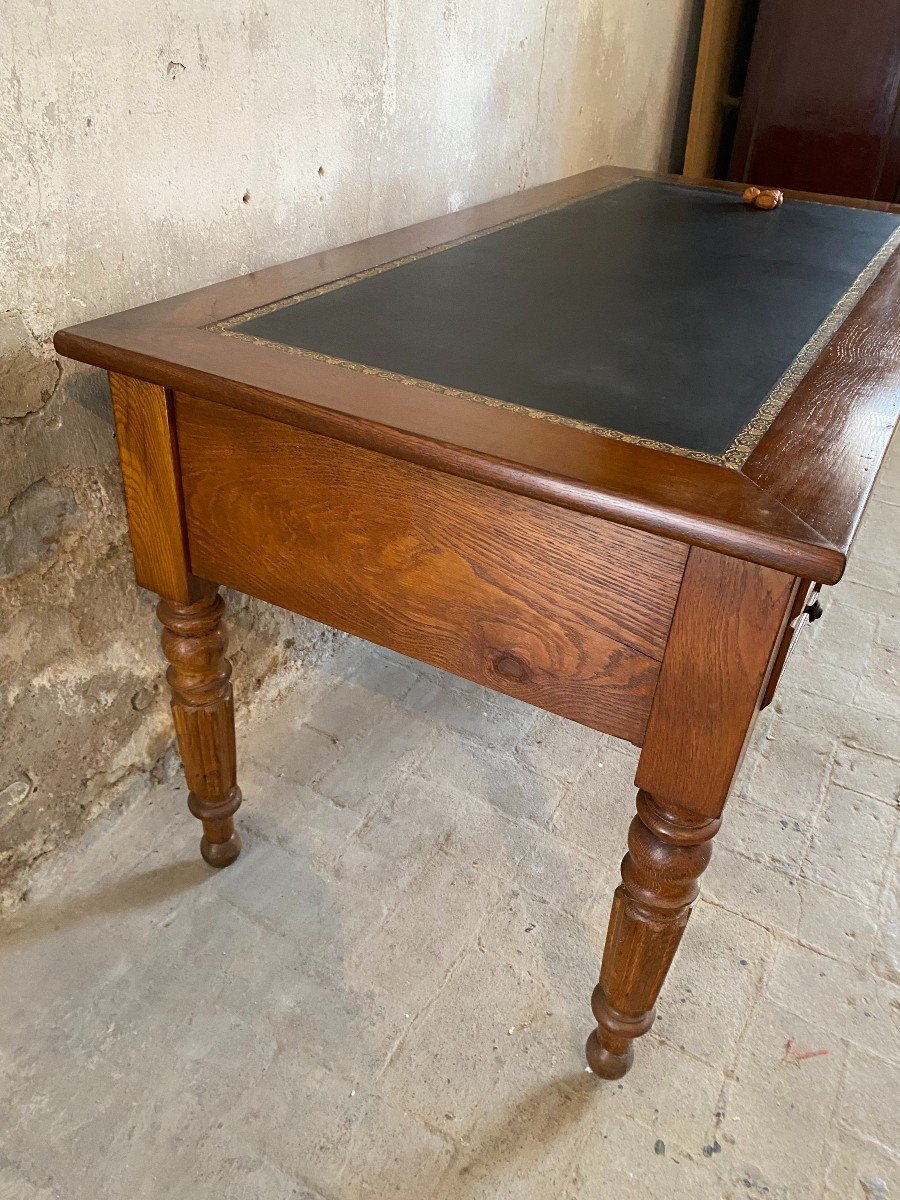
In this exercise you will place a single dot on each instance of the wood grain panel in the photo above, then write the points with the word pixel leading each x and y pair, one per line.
pixel 725 633
pixel 565 611
pixel 148 454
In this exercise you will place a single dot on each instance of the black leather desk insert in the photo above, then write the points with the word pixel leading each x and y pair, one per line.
pixel 663 312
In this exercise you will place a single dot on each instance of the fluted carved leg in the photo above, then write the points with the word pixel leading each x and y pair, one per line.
pixel 194 642
pixel 668 850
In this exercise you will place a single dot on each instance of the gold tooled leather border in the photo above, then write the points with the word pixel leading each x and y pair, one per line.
pixel 736 454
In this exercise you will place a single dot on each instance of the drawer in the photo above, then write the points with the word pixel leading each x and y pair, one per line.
pixel 806 600
pixel 560 609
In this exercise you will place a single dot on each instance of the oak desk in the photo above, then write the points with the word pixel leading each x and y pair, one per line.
pixel 595 445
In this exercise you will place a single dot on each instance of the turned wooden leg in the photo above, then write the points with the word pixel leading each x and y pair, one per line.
pixel 194 642
pixel 728 624
pixel 668 850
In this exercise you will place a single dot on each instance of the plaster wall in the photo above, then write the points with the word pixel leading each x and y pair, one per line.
pixel 149 147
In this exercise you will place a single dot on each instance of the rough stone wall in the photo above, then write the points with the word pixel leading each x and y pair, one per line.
pixel 149 148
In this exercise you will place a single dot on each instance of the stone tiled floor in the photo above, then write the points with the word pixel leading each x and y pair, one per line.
pixel 387 995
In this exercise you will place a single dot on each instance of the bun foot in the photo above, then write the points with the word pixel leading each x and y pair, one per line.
pixel 606 1064
pixel 221 854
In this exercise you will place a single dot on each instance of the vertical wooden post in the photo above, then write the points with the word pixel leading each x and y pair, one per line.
pixel 724 638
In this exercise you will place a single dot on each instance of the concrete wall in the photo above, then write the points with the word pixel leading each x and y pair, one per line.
pixel 149 147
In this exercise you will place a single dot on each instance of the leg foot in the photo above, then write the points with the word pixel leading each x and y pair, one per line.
pixel 221 854
pixel 668 849
pixel 194 642
pixel 606 1064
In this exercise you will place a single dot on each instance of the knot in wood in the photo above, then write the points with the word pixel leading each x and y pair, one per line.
pixel 511 666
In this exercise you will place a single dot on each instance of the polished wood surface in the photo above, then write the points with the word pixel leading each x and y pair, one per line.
pixel 725 635
pixel 562 610
pixel 194 641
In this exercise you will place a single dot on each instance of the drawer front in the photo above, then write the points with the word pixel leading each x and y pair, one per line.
pixel 807 595
pixel 563 610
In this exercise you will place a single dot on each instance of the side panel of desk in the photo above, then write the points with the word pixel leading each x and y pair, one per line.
pixel 563 610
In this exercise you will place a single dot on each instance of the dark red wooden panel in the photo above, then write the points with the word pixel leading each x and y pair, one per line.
pixel 819 111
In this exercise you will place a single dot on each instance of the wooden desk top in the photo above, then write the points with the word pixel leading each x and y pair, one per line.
pixel 645 350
